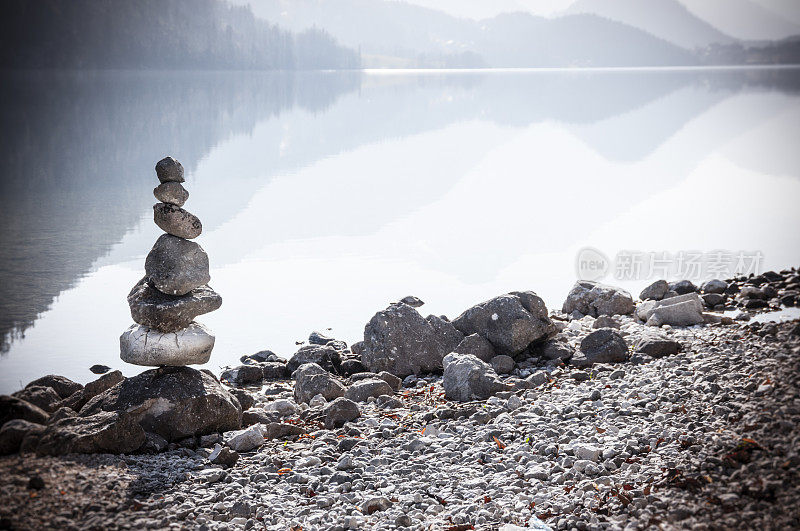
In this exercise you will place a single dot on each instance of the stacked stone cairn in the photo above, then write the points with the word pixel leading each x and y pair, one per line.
pixel 175 287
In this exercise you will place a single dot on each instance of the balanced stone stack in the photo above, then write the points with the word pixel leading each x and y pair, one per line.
pixel 175 287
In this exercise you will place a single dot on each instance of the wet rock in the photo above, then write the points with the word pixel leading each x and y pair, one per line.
pixel 325 356
pixel 169 313
pixel 478 346
pixel 43 397
pixel 103 432
pixel 176 266
pixel 12 408
pixel 262 356
pixel 177 221
pixel 361 391
pixel 682 287
pixel 192 345
pixel 14 431
pixel 244 440
pixel 714 286
pixel 175 402
pixel 171 192
pixel 511 322
pixel 468 378
pixel 400 341
pixel 601 346
pixel 169 170
pixel 340 411
pixel 658 347
pixel 223 456
pixel 312 380
pixel 502 364
pixel 243 374
pixel 595 299
pixel 99 369
pixel 63 386
pixel 655 291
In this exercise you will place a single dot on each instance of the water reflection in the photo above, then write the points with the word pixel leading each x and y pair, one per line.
pixel 323 195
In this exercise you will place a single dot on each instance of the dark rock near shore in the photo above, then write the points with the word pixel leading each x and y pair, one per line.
pixel 171 192
pixel 44 397
pixel 325 356
pixel 714 286
pixel 411 300
pixel 176 266
pixel 351 366
pixel 318 338
pixel 595 299
pixel 170 313
pixel 99 369
pixel 103 432
pixel 243 374
pixel 554 349
pixel 174 220
pixel 655 291
pixel 399 340
pixel 12 408
pixel 510 322
pixel 275 370
pixel 169 170
pixel 174 402
pixel 92 389
pixel 658 347
pixel 60 384
pixel 340 411
pixel 601 346
pixel 14 432
pixel 682 287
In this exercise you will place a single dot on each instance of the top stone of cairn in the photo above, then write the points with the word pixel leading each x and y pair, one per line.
pixel 169 170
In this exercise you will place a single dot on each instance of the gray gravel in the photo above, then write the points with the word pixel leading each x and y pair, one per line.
pixel 707 438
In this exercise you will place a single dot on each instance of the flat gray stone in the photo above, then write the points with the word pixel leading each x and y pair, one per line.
pixel 174 220
pixel 172 193
pixel 169 313
pixel 141 345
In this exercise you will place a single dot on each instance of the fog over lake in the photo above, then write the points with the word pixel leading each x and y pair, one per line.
pixel 325 196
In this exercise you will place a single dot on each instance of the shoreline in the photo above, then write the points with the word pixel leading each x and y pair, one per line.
pixel 700 433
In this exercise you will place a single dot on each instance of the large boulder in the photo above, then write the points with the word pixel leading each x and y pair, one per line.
pixel 325 356
pixel 175 403
pixel 102 432
pixel 399 340
pixel 681 310
pixel 43 397
pixel 510 322
pixel 478 346
pixel 595 299
pixel 14 432
pixel 176 266
pixel 468 378
pixel 141 345
pixel 174 220
pixel 363 389
pixel 601 346
pixel 168 313
pixel 12 408
pixel 312 380
pixel 60 384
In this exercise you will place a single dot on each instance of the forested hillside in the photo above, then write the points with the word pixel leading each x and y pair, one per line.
pixel 168 34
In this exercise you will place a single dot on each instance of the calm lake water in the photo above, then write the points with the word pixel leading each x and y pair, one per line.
pixel 325 196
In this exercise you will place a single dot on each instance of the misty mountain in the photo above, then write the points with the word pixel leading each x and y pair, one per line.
pixel 386 33
pixel 666 19
pixel 164 34
pixel 749 20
